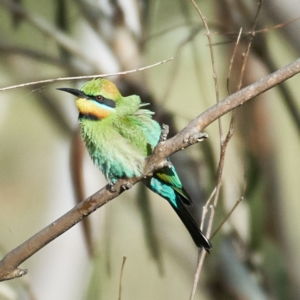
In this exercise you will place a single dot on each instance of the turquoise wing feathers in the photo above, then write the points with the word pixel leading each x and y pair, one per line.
pixel 119 134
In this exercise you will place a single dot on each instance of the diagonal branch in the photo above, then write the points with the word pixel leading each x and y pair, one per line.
pixel 188 136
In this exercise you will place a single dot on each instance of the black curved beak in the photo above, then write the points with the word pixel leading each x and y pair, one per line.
pixel 74 92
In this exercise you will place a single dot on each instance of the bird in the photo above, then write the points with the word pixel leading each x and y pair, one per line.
pixel 119 133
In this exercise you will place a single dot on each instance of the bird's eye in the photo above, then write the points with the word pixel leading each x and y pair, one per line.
pixel 99 98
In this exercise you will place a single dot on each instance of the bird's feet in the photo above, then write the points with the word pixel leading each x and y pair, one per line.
pixel 111 186
pixel 127 186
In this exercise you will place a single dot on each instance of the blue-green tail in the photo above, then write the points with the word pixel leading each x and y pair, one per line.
pixel 173 192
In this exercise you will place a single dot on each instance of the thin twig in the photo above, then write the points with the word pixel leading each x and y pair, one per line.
pixel 227 216
pixel 224 143
pixel 84 77
pixel 208 34
pixel 232 60
pixel 222 158
pixel 252 35
pixel 232 123
pixel 204 210
pixel 231 128
pixel 202 254
pixel 264 30
pixel 232 210
pixel 121 277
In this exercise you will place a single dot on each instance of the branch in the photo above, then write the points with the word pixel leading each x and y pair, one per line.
pixel 188 136
pixel 22 85
pixel 231 102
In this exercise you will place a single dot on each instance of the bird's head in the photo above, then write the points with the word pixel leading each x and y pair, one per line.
pixel 97 99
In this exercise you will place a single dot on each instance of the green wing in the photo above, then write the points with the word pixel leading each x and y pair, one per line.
pixel 170 177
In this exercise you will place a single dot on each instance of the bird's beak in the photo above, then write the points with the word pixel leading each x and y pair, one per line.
pixel 74 92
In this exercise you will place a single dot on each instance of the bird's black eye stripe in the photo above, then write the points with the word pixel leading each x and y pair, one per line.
pixel 102 100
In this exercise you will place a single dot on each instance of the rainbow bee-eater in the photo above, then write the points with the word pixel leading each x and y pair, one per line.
pixel 119 134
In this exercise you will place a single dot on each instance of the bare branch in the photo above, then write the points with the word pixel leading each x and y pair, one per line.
pixel 84 77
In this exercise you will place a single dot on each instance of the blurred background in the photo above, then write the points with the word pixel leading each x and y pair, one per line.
pixel 44 168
